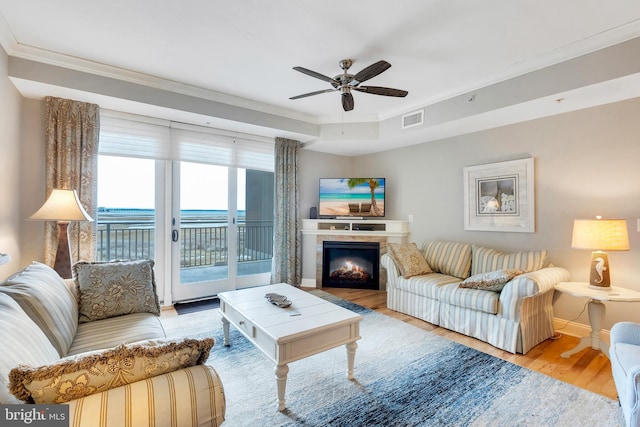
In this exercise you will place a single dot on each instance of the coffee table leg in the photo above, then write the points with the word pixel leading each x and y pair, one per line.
pixel 351 357
pixel 225 329
pixel 281 378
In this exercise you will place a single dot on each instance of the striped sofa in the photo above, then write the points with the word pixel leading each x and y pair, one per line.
pixel 515 318
pixel 41 334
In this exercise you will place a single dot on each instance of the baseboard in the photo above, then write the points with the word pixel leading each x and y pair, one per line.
pixel 574 329
pixel 308 283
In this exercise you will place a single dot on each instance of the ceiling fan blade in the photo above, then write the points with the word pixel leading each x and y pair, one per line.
pixel 377 90
pixel 347 101
pixel 318 92
pixel 370 72
pixel 316 75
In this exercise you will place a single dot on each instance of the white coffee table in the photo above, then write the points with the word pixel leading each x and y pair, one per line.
pixel 596 310
pixel 309 326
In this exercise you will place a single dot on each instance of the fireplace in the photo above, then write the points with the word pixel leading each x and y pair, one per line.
pixel 351 264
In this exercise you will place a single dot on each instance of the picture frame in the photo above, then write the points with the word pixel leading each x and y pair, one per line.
pixel 500 197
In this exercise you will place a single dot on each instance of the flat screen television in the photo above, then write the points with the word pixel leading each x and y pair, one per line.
pixel 356 197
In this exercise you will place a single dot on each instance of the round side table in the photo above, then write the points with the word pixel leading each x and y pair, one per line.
pixel 597 311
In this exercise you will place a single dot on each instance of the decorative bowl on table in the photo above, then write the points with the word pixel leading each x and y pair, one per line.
pixel 277 299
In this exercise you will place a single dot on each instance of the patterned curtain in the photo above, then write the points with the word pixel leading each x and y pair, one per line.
pixel 287 251
pixel 71 137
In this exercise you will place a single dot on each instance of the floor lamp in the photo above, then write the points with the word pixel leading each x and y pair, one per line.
pixel 62 206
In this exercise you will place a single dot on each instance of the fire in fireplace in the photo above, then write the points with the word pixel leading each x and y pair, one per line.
pixel 351 264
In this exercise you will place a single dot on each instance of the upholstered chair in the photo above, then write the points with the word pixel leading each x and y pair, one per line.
pixel 625 365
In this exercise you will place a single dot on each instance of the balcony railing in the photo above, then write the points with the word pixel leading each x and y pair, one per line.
pixel 201 244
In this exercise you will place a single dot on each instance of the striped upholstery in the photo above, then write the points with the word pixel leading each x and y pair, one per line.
pixel 107 333
pixel 418 295
pixel 46 299
pixel 427 288
pixel 529 285
pixel 536 320
pixel 393 272
pixel 427 309
pixel 38 324
pixel 428 285
pixel 22 343
pixel 485 260
pixel 474 299
pixel 516 319
pixel 533 325
pixel 450 258
pixel 184 398
pixel 497 331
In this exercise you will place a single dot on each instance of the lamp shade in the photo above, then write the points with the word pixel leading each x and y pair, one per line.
pixel 600 234
pixel 62 205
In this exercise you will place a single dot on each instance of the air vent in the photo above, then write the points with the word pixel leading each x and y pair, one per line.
pixel 412 119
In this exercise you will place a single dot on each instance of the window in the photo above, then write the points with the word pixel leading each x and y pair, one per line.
pixel 187 197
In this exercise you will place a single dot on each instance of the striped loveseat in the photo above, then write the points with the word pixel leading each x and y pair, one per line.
pixel 504 299
pixel 114 371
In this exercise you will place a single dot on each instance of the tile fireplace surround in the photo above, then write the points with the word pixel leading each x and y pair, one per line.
pixel 316 231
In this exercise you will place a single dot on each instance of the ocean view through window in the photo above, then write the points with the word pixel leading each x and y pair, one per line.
pixel 127 233
pixel 126 218
pixel 196 200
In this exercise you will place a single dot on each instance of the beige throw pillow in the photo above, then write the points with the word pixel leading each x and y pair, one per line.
pixel 85 374
pixel 409 259
pixel 492 281
pixel 109 289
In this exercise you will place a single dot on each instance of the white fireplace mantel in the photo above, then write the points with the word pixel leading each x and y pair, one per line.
pixel 315 231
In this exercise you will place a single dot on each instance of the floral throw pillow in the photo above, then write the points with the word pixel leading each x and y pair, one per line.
pixel 88 373
pixel 115 288
pixel 492 281
pixel 409 259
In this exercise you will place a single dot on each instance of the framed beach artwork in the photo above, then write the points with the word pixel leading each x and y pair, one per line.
pixel 500 197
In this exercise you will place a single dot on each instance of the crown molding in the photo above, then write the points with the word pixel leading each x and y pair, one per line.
pixel 600 41
pixel 7 39
pixel 103 70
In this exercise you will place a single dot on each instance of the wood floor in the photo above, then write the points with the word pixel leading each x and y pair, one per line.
pixel 588 369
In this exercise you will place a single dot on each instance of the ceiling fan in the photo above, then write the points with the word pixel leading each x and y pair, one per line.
pixel 346 82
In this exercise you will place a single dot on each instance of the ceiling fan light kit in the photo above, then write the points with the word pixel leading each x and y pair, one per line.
pixel 345 82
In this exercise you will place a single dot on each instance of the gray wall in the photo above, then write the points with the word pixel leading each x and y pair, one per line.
pixel 313 166
pixel 586 164
pixel 11 194
pixel 33 178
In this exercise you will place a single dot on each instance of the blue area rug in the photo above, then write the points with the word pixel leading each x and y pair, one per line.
pixel 405 376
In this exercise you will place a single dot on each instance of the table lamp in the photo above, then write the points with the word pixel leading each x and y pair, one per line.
pixel 62 206
pixel 600 235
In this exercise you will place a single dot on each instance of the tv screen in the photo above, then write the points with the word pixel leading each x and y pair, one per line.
pixel 360 197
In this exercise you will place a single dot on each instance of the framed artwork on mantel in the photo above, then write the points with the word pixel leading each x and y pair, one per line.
pixel 500 197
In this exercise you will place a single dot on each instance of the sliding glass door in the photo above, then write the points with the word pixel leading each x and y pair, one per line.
pixel 208 227
pixel 198 201
pixel 203 231
pixel 225 236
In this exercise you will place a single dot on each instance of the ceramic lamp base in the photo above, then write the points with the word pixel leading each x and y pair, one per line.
pixel 62 263
pixel 599 277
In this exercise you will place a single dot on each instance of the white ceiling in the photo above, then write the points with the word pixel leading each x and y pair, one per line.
pixel 242 52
